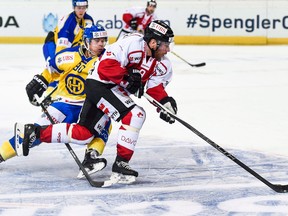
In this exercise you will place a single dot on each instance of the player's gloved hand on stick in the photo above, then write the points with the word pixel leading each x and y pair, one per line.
pixel 134 82
pixel 36 86
pixel 47 102
pixel 139 93
pixel 170 104
pixel 133 24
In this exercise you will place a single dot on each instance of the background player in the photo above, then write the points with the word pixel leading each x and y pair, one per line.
pixel 136 19
pixel 69 31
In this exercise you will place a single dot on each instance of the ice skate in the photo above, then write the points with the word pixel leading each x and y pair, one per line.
pixel 122 172
pixel 26 137
pixel 92 163
pixel 31 137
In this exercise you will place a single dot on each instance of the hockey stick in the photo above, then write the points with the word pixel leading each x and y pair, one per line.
pixel 192 65
pixel 93 183
pixel 276 187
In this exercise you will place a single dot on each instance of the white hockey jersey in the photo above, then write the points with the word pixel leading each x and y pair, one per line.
pixel 142 17
pixel 130 53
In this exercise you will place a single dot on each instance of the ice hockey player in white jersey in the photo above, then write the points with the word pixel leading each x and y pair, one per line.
pixel 124 69
pixel 136 19
pixel 71 67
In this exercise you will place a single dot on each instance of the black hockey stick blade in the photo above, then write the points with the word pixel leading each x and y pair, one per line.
pixel 192 65
pixel 279 188
pixel 276 187
pixel 197 65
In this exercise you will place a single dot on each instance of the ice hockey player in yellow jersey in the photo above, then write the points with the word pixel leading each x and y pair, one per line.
pixel 68 33
pixel 71 67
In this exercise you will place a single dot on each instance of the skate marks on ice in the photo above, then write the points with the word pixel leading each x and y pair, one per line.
pixel 182 179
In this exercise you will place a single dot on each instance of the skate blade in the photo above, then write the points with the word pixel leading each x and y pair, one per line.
pixel 97 167
pixel 122 179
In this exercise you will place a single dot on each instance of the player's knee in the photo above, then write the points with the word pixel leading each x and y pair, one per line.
pixel 135 118
pixel 99 143
pixel 79 134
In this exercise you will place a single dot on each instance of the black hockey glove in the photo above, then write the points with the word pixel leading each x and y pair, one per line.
pixel 170 104
pixel 47 101
pixel 133 24
pixel 36 86
pixel 134 82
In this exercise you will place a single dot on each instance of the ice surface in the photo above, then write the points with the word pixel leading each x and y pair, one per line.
pixel 238 100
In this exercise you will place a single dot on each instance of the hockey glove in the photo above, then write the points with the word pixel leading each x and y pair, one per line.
pixel 170 104
pixel 134 82
pixel 36 86
pixel 47 101
pixel 133 24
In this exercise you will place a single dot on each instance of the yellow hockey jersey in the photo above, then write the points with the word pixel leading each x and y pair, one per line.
pixel 69 31
pixel 70 67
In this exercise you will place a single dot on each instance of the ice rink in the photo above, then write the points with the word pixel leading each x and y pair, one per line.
pixel 239 100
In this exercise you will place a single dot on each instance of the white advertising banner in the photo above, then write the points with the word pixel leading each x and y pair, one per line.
pixel 192 21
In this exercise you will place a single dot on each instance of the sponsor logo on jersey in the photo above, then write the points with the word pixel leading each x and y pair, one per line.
pixel 58 137
pixel 104 108
pixel 115 115
pixel 104 135
pixel 128 140
pixel 135 57
pixel 160 69
pixel 99 128
pixel 65 59
pixel 129 101
pixel 75 84
pixel 108 109
pixel 63 42
pixel 140 115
